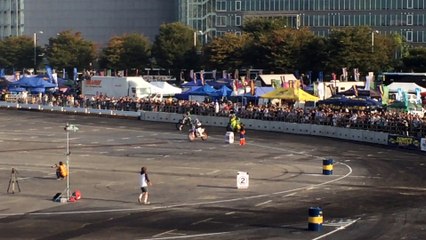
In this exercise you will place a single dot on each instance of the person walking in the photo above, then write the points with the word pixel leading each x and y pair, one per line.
pixel 144 183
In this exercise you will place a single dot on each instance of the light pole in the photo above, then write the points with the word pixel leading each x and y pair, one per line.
pixel 68 128
pixel 35 49
pixel 372 39
pixel 204 37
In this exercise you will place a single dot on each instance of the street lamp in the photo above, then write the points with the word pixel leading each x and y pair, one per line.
pixel 372 40
pixel 35 49
pixel 203 35
pixel 68 128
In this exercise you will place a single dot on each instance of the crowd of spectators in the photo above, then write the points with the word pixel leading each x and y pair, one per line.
pixel 391 121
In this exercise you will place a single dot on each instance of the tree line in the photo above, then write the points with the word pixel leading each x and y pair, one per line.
pixel 264 44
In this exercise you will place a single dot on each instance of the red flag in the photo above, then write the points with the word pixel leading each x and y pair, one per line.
pixel 234 85
pixel 202 77
pixel 252 90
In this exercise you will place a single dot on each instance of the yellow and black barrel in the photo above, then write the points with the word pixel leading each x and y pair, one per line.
pixel 315 219
pixel 327 167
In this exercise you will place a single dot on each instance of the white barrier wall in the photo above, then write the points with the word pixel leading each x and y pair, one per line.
pixel 254 124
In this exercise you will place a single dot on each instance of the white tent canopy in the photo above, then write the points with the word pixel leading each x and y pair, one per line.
pixel 267 78
pixel 406 87
pixel 165 89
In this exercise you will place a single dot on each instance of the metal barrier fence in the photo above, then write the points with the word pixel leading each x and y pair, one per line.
pixel 387 125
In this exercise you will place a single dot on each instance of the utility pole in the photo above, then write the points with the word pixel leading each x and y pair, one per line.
pixel 68 128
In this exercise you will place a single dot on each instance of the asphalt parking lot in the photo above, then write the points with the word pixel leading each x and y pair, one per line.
pixel 373 193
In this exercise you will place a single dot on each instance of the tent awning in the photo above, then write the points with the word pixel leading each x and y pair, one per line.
pixel 407 87
pixel 267 78
pixel 165 88
pixel 292 94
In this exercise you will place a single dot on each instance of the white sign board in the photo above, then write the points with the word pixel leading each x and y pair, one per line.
pixel 242 180
pixel 229 137
pixel 423 144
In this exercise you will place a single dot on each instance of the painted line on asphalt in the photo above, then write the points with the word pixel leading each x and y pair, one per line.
pixel 337 229
pixel 262 203
pixel 187 236
pixel 312 186
pixel 164 233
pixel 202 221
pixel 180 205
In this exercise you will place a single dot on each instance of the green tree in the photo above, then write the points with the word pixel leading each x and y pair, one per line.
pixel 415 61
pixel 258 26
pixel 174 48
pixel 18 52
pixel 130 51
pixel 68 50
pixel 354 48
pixel 258 31
pixel 226 52
pixel 281 49
pixel 314 55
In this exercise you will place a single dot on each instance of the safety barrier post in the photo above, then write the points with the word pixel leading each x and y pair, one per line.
pixel 315 219
pixel 327 167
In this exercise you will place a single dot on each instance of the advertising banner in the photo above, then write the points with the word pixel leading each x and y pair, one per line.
pixel 404 142
pixel 423 144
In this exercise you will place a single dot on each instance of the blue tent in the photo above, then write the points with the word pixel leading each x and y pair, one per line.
pixel 343 101
pixel 224 91
pixel 220 82
pixel 214 83
pixel 32 82
pixel 205 90
pixel 185 95
pixel 192 84
pixel 259 91
pixel 17 89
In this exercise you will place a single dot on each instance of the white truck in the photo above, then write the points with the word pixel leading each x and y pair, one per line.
pixel 135 87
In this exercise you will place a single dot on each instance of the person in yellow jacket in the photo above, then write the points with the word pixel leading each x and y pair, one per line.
pixel 61 170
pixel 234 123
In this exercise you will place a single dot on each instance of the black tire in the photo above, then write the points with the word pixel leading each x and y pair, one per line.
pixel 191 136
pixel 204 136
pixel 179 125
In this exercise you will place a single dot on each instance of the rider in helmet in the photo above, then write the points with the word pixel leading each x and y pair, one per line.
pixel 197 126
pixel 234 123
pixel 186 118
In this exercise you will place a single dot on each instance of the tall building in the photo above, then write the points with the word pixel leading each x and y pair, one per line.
pixel 216 17
pixel 11 18
pixel 97 20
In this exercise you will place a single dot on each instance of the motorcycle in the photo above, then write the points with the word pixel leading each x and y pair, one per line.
pixel 184 122
pixel 197 133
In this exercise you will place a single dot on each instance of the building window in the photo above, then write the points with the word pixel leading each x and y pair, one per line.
pixel 221 21
pixel 409 36
pixel 221 6
pixel 237 20
pixel 238 6
pixel 410 19
pixel 409 4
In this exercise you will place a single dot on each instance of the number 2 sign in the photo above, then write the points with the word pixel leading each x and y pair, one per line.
pixel 242 180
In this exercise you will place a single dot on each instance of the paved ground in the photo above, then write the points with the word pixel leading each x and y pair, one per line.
pixel 374 193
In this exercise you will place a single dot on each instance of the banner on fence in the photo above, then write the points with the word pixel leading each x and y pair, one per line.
pixel 404 142
pixel 423 144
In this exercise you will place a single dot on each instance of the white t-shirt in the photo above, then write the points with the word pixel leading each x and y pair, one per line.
pixel 143 180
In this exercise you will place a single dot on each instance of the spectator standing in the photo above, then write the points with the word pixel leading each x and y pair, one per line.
pixel 242 135
pixel 144 182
